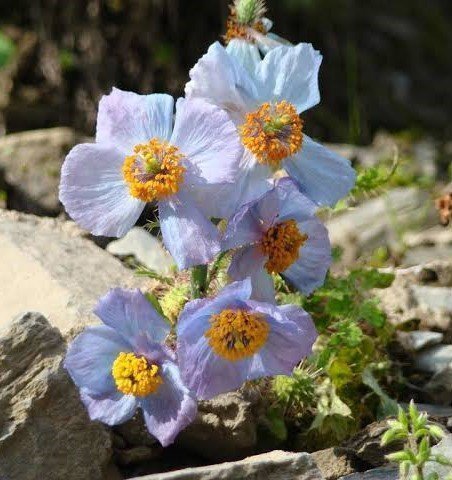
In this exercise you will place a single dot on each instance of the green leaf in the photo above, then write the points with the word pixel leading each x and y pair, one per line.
pixel 436 431
pixel 399 457
pixel 7 49
pixel 441 459
pixel 433 476
pixel 370 313
pixel 152 299
pixel 388 406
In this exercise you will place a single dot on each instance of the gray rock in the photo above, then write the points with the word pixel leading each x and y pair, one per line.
pixel 224 429
pixel 145 248
pixel 435 298
pixel 417 339
pixel 434 359
pixel 48 266
pixel 376 222
pixel 334 462
pixel 444 447
pixel 276 465
pixel 31 163
pixel 440 386
pixel 383 473
pixel 44 429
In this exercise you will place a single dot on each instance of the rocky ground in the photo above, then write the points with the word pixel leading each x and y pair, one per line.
pixel 51 274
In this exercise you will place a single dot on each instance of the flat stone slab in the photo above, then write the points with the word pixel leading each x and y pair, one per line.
pixel 276 465
pixel 383 473
pixel 434 359
pixel 48 266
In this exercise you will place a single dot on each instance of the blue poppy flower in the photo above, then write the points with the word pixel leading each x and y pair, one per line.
pixel 124 365
pixel 229 339
pixel 139 157
pixel 278 233
pixel 264 98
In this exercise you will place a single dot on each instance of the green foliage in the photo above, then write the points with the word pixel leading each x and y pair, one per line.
pixel 248 11
pixel 350 354
pixel 7 49
pixel 143 271
pixel 413 427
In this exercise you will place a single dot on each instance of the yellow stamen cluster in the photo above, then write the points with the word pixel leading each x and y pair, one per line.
pixel 236 334
pixel 281 244
pixel 154 171
pixel 135 375
pixel 235 29
pixel 272 132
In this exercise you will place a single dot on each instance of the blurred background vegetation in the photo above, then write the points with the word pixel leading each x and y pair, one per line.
pixel 387 64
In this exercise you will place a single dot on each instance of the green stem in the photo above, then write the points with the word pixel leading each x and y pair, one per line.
pixel 198 281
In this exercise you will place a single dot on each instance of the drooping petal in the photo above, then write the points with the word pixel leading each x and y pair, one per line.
pixel 171 408
pixel 249 262
pixel 194 318
pixel 221 80
pixel 188 235
pixel 222 201
pixel 309 271
pixel 292 204
pixel 90 357
pixel 94 193
pixel 322 175
pixel 209 140
pixel 206 373
pixel 246 53
pixel 305 324
pixel 126 119
pixel 111 409
pixel 132 316
pixel 291 73
pixel 290 339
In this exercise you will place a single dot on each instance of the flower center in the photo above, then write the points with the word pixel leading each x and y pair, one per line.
pixel 135 375
pixel 273 132
pixel 245 16
pixel 281 244
pixel 236 334
pixel 154 171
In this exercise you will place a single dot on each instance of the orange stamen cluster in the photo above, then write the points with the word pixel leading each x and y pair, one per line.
pixel 135 375
pixel 237 334
pixel 235 29
pixel 272 132
pixel 154 171
pixel 281 244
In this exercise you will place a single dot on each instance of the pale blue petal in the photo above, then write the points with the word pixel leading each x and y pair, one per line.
pixel 94 193
pixel 246 53
pixel 249 262
pixel 305 324
pixel 188 235
pixel 110 409
pixel 221 80
pixel 132 316
pixel 126 119
pixel 309 271
pixel 90 358
pixel 322 175
pixel 210 142
pixel 293 205
pixel 291 73
pixel 171 408
pixel 206 373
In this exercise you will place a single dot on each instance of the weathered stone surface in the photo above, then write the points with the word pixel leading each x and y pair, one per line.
pixel 30 163
pixel 224 429
pixel 48 266
pixel 440 386
pixel 411 298
pixel 417 339
pixel 383 473
pixel 377 222
pixel 366 444
pixel 276 465
pixel 147 249
pixel 434 359
pixel 333 462
pixel 44 429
